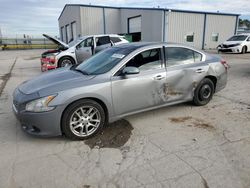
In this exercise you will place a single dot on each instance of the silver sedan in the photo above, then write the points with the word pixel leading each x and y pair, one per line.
pixel 78 101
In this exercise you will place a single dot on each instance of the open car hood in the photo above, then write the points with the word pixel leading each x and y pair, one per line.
pixel 56 41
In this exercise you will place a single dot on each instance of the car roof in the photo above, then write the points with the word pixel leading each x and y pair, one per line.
pixel 101 35
pixel 248 34
pixel 137 45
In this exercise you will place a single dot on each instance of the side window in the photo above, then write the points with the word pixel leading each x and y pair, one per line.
pixel 147 60
pixel 102 40
pixel 197 57
pixel 88 42
pixel 115 39
pixel 179 56
pixel 248 39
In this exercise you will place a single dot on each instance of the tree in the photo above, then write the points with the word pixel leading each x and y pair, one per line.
pixel 244 22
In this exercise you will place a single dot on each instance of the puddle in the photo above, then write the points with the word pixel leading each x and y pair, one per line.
pixel 115 135
pixel 195 122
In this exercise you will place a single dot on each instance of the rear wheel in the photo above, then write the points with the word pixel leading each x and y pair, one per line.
pixel 83 119
pixel 65 61
pixel 203 92
pixel 244 50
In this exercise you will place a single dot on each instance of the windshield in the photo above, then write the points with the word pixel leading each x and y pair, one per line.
pixel 103 61
pixel 74 42
pixel 238 38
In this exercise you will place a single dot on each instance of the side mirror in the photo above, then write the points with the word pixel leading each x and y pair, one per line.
pixel 130 70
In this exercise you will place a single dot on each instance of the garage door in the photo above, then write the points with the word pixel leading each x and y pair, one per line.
pixel 134 24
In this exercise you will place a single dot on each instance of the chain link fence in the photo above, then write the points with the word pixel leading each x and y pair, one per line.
pixel 26 43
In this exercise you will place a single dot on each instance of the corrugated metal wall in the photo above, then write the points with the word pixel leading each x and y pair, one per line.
pixel 151 23
pixel 70 14
pixel 112 20
pixel 178 25
pixel 221 24
pixel 91 21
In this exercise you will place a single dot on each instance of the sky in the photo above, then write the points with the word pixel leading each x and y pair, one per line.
pixel 35 17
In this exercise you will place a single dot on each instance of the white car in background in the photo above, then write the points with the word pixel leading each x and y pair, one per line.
pixel 237 44
pixel 77 51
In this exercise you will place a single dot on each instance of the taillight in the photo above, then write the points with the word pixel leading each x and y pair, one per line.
pixel 224 63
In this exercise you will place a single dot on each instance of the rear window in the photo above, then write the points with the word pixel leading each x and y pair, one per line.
pixel 179 56
pixel 102 40
pixel 115 39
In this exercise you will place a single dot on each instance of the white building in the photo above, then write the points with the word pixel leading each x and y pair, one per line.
pixel 204 30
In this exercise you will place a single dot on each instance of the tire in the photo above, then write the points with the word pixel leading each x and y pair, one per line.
pixel 203 92
pixel 79 122
pixel 244 50
pixel 65 61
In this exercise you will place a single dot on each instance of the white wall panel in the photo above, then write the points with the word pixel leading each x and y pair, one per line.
pixel 179 24
pixel 221 24
pixel 92 20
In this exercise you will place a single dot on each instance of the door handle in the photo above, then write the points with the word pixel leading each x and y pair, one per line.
pixel 159 77
pixel 199 71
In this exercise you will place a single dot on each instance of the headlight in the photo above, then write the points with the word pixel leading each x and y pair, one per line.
pixel 40 105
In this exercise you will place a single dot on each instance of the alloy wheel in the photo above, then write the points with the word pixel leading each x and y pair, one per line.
pixel 84 121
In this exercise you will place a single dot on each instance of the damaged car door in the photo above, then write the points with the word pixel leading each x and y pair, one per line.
pixel 185 69
pixel 134 92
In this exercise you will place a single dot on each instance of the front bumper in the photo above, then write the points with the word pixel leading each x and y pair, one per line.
pixel 40 124
pixel 236 49
pixel 46 65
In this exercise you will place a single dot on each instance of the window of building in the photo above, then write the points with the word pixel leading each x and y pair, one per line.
pixel 62 28
pixel 190 37
pixel 68 34
pixel 180 56
pixel 215 37
pixel 73 31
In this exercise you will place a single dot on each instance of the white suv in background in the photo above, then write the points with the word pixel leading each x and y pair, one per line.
pixel 77 51
pixel 237 44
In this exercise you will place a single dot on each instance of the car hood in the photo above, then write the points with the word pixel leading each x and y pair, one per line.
pixel 232 42
pixel 54 81
pixel 56 41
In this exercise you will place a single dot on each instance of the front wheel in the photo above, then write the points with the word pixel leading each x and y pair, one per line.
pixel 83 119
pixel 203 92
pixel 65 62
pixel 244 50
